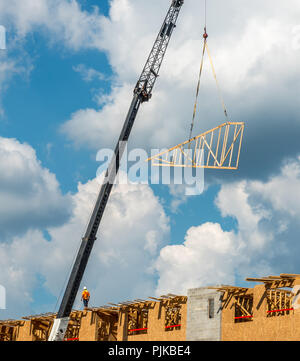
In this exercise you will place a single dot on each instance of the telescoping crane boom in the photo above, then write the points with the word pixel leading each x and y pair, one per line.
pixel 142 93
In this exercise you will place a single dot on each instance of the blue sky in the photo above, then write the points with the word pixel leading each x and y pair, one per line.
pixel 36 106
pixel 65 89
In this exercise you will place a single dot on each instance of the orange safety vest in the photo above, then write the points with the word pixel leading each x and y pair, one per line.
pixel 85 295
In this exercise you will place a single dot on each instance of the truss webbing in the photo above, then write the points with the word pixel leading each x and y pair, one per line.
pixel 218 148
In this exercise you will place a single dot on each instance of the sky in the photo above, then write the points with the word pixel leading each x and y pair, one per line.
pixel 66 82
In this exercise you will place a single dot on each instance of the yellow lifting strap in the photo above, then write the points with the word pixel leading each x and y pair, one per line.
pixel 215 76
pixel 198 88
pixel 205 47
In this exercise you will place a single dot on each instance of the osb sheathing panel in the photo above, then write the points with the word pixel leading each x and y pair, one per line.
pixel 24 332
pixel 88 326
pixel 156 326
pixel 261 328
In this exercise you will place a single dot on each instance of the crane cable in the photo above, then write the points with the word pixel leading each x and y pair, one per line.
pixel 218 85
pixel 198 86
pixel 205 48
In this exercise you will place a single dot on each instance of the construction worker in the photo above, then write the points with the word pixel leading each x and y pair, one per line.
pixel 85 297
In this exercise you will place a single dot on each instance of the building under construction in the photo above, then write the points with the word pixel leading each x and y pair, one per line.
pixel 267 312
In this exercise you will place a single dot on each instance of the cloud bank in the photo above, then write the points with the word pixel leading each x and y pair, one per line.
pixel 264 242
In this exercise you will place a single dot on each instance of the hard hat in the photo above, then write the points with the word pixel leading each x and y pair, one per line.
pixel 84 288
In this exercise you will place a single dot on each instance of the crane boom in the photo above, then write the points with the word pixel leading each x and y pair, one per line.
pixel 142 93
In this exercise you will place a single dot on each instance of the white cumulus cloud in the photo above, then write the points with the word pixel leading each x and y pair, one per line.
pixel 133 230
pixel 264 242
pixel 29 194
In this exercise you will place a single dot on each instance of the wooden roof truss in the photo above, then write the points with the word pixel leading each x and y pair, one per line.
pixel 279 302
pixel 284 280
pixel 218 148
pixel 8 329
pixel 228 292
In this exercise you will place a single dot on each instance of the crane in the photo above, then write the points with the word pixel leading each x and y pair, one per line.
pixel 142 93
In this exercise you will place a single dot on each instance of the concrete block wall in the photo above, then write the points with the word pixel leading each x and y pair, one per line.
pixel 25 332
pixel 202 326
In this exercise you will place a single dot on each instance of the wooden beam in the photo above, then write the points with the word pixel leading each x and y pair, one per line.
pixel 242 308
pixel 259 279
pixel 287 275
pixel 156 299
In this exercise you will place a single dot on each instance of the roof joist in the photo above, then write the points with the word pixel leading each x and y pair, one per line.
pixel 283 280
